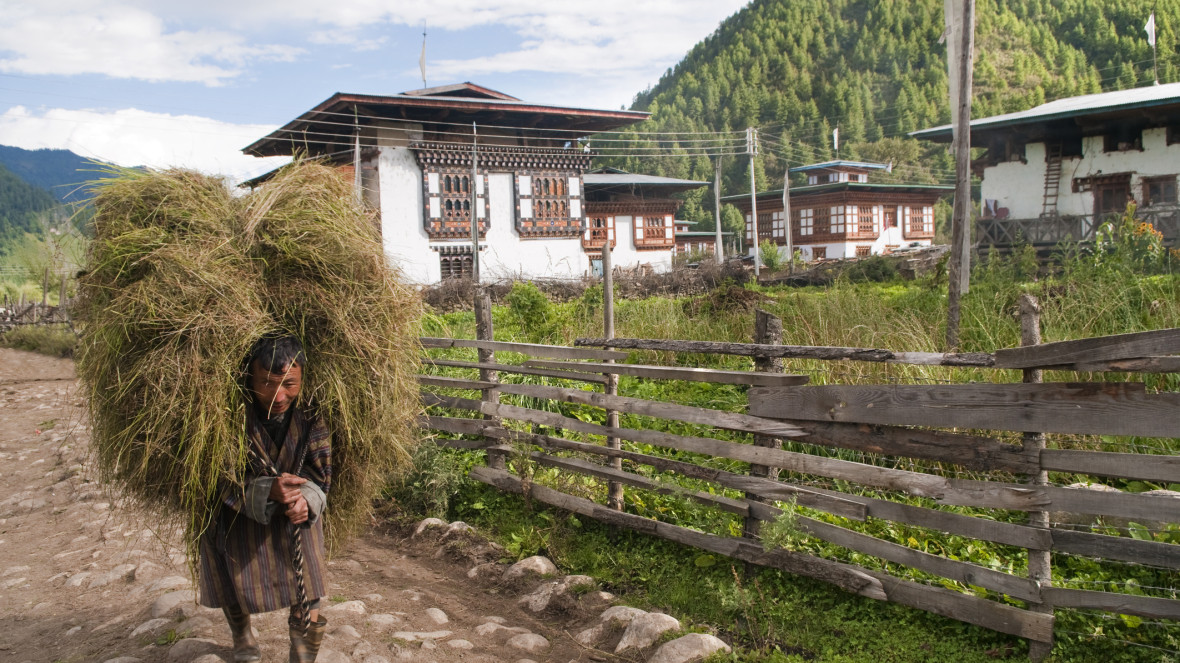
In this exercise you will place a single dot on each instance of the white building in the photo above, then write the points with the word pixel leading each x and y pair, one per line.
pixel 529 192
pixel 840 214
pixel 1056 171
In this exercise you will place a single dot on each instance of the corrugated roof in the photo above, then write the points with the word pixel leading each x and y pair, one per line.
pixel 1089 104
pixel 839 164
pixel 622 179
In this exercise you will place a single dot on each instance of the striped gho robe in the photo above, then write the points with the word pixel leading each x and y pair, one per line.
pixel 246 552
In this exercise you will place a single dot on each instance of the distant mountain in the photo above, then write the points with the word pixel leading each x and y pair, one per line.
pixel 60 172
pixel 20 205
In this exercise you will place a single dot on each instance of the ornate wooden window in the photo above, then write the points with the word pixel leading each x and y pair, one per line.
pixel 1159 190
pixel 548 204
pixel 919 220
pixel 654 231
pixel 599 229
pixel 863 251
pixel 836 220
pixel 455 264
pixel 806 221
pixel 823 220
pixel 448 203
pixel 866 220
pixel 778 228
pixel 819 253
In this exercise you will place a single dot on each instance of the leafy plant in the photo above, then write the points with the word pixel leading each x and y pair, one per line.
pixel 769 253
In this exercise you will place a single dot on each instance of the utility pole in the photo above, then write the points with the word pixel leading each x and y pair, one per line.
pixel 474 205
pixel 960 20
pixel 718 250
pixel 752 150
pixel 787 213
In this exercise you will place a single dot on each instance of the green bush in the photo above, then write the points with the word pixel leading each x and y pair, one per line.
pixel 771 258
pixel 55 340
pixel 532 311
pixel 877 269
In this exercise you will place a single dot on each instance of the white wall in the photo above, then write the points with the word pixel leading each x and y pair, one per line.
pixel 404 237
pixel 509 256
pixel 1021 186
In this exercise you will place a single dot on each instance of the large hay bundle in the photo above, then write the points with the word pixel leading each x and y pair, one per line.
pixel 183 278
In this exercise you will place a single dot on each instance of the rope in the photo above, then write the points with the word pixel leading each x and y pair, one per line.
pixel 296 541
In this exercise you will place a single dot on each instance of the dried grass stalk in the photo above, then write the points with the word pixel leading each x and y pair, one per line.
pixel 183 277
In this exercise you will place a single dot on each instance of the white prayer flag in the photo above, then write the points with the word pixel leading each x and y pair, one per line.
pixel 1150 29
pixel 422 60
pixel 836 138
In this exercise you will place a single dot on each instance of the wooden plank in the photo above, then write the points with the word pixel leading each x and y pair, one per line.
pixel 1165 469
pixel 727 504
pixel 430 398
pixel 520 370
pixel 453 383
pixel 871 584
pixel 681 373
pixel 967 608
pixel 1123 549
pixel 848 506
pixel 457 425
pixel 833 504
pixel 1138 365
pixel 1119 346
pixel 1135 506
pixel 972 574
pixel 845 576
pixel 795 351
pixel 1081 408
pixel 483 445
pixel 1124 604
pixel 531 349
pixel 685 413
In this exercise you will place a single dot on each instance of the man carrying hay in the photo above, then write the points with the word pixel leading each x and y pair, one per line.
pixel 250 556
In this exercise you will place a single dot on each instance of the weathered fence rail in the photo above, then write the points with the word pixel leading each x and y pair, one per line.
pixel 942 430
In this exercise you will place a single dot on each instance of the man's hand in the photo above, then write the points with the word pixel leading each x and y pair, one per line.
pixel 285 490
pixel 297 511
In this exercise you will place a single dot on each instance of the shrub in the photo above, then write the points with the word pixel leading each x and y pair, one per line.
pixel 53 340
pixel 769 253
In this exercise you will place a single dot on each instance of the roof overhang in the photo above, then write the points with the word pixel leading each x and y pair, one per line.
pixel 334 120
pixel 803 191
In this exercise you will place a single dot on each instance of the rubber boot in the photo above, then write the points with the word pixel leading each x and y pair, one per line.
pixel 304 649
pixel 245 647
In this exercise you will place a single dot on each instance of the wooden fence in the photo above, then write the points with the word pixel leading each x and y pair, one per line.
pixel 991 430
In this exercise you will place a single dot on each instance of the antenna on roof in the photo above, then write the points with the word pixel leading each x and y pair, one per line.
pixel 422 58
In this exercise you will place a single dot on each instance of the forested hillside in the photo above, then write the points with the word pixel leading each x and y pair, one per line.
pixel 875 69
pixel 20 205
pixel 60 172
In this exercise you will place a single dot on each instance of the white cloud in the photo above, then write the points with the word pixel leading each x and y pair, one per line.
pixel 121 42
pixel 132 137
pixel 346 37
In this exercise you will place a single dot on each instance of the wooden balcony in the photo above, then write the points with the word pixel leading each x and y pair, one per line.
pixel 1052 230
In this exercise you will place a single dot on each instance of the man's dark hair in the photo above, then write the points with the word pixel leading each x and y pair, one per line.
pixel 276 353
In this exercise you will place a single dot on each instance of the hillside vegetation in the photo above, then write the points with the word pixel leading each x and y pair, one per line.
pixel 876 70
pixel 21 204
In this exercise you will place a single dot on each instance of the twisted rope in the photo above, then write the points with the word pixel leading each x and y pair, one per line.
pixel 296 540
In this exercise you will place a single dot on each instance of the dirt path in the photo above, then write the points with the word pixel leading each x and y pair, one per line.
pixel 82 579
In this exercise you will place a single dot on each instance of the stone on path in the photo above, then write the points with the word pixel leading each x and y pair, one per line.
pixel 123 659
pixel 688 648
pixel 208 658
pixel 485 571
pixel 645 629
pixel 530 642
pixel 167 583
pixel 120 572
pixel 556 594
pixel 530 566
pixel 346 631
pixel 459 643
pixel 427 523
pixel 189 648
pixel 345 608
pixel 169 602
pixel 149 626
pixel 422 636
pixel 438 617
pixel 383 620
pixel 329 655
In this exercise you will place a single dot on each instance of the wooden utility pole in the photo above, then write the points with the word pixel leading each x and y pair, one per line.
pixel 614 489
pixel 1040 563
pixel 718 250
pixel 787 216
pixel 474 206
pixel 960 19
pixel 752 150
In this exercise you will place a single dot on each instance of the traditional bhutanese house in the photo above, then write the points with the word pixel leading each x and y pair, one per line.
pixel 700 241
pixel 635 213
pixel 1057 171
pixel 840 214
pixel 415 150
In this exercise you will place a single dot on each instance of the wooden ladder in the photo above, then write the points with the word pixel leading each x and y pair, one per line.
pixel 1052 179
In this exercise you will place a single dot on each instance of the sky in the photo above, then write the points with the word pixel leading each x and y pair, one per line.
pixel 172 83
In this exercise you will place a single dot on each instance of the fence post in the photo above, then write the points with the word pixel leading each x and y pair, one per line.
pixel 614 489
pixel 768 329
pixel 483 332
pixel 1040 568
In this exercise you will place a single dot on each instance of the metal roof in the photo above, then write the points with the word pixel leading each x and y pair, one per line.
pixel 837 186
pixel 839 164
pixel 331 120
pixel 1070 107
pixel 621 178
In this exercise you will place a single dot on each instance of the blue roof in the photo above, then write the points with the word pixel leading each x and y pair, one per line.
pixel 864 165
